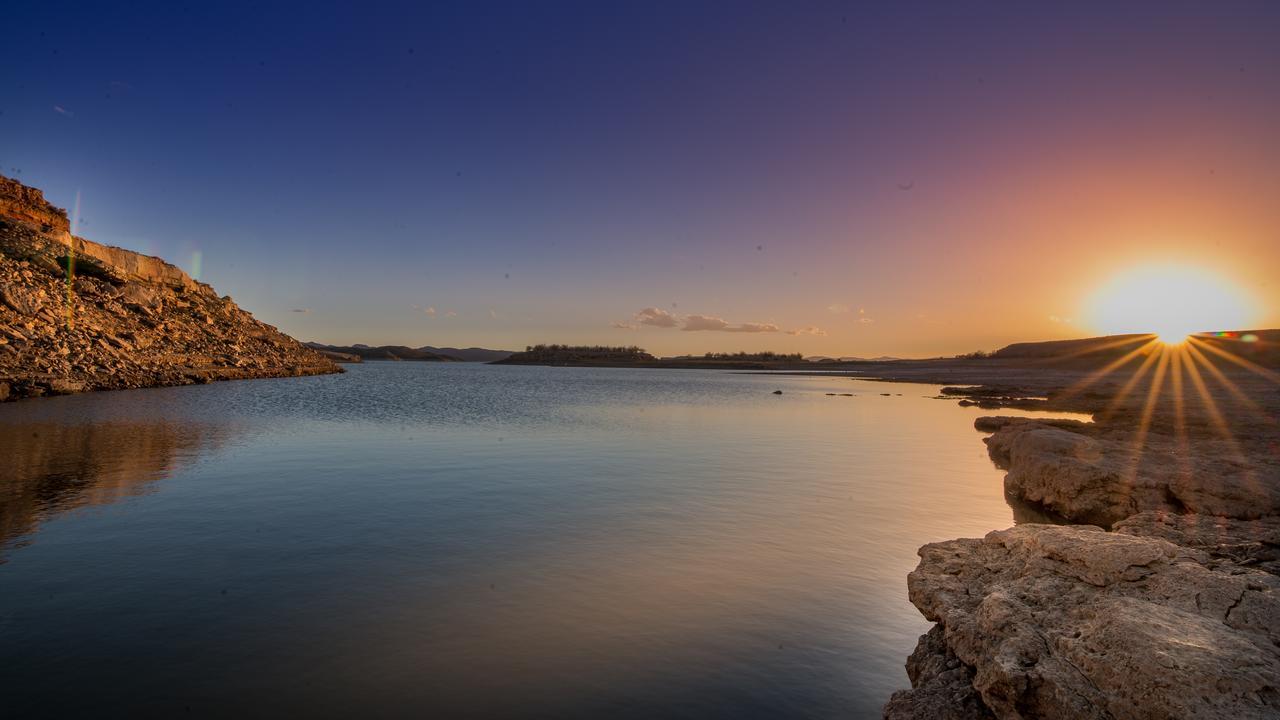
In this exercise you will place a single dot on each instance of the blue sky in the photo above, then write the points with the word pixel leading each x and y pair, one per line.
pixel 872 179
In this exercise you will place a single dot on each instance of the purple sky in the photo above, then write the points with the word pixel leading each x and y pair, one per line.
pixel 825 178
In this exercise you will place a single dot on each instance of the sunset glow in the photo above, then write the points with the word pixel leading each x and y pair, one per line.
pixel 1171 301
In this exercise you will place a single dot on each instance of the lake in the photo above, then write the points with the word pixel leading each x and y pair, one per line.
pixel 471 540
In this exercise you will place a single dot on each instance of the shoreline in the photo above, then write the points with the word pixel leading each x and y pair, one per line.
pixel 1173 492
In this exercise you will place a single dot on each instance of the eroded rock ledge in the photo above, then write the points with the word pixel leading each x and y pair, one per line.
pixel 119 319
pixel 1172 611
pixel 1074 621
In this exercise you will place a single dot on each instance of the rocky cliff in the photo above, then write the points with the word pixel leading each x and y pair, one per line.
pixel 76 315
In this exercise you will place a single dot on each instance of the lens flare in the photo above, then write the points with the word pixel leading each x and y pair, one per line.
pixel 1170 301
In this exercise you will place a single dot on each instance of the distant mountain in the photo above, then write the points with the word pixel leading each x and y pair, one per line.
pixel 384 352
pixel 471 354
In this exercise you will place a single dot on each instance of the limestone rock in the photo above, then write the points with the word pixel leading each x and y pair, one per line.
pixel 942 685
pixel 1103 475
pixel 1253 543
pixel 1074 621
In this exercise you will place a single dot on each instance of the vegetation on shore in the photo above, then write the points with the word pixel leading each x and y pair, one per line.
pixel 766 356
pixel 579 355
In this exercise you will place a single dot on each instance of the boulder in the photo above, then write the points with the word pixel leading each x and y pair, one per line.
pixel 1101 475
pixel 1074 621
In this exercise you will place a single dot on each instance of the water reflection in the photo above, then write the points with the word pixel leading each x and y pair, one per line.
pixel 53 467
pixel 480 541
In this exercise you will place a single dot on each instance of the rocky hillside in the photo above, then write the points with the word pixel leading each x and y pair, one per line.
pixel 76 315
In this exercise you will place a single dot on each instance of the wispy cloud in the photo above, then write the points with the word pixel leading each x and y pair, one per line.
pixel 625 326
pixel 1059 320
pixel 838 309
pixel 863 317
pixel 304 311
pixel 810 330
pixel 429 310
pixel 63 111
pixel 656 317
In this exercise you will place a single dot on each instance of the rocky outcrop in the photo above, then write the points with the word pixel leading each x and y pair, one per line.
pixel 1103 474
pixel 1248 543
pixel 1074 621
pixel 1175 610
pixel 27 204
pixel 942 685
pixel 76 315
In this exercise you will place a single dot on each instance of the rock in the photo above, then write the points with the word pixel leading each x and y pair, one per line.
pixel 1254 543
pixel 942 686
pixel 21 300
pixel 66 387
pixel 1103 475
pixel 132 320
pixel 1074 621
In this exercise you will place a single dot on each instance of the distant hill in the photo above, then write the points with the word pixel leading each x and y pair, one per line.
pixel 849 358
pixel 1258 346
pixel 384 352
pixel 471 354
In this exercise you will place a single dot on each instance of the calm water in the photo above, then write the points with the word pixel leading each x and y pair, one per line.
pixel 472 540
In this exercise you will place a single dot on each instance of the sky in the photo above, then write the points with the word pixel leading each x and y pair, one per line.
pixel 907 179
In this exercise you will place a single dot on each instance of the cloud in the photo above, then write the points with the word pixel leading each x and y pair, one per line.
pixel 694 323
pixel 862 316
pixel 656 317
pixel 838 308
pixel 63 111
pixel 429 311
pixel 450 313
pixel 754 328
pixel 304 311
pixel 810 330
pixel 1061 320
pixel 493 314
pixel 703 322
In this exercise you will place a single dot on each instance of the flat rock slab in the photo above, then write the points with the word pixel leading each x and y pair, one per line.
pixel 1074 621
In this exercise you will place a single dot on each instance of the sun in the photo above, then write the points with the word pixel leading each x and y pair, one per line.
pixel 1170 301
